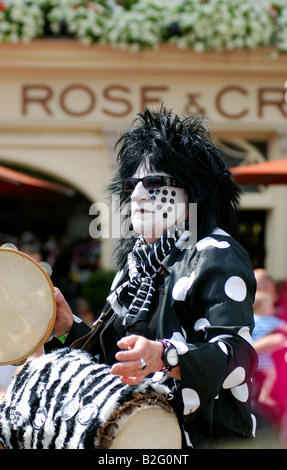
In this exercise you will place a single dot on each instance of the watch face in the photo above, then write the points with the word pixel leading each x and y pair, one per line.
pixel 172 357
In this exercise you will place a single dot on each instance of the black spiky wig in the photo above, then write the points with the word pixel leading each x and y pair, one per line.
pixel 183 149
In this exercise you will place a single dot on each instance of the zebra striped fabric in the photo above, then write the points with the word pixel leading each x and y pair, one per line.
pixel 62 400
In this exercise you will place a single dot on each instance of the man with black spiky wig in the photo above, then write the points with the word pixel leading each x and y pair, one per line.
pixel 182 299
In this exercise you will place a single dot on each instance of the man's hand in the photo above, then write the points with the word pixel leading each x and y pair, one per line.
pixel 64 315
pixel 136 347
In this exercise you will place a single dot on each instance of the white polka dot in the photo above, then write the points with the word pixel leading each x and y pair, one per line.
pixel 181 287
pixel 209 241
pixel 223 347
pixel 191 400
pixel 254 425
pixel 187 439
pixel 236 377
pixel 245 334
pixel 179 342
pixel 177 336
pixel 235 288
pixel 201 324
pixel 240 392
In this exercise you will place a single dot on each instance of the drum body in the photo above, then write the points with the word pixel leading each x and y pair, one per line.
pixel 65 400
pixel 27 306
pixel 147 421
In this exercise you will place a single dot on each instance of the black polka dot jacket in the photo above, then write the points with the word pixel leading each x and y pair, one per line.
pixel 207 313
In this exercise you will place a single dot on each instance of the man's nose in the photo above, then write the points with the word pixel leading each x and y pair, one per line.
pixel 140 193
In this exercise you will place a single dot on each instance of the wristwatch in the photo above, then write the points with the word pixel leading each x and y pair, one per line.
pixel 169 355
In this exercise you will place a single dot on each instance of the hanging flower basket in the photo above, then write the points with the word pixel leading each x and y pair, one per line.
pixel 201 25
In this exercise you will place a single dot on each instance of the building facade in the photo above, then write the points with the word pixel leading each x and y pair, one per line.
pixel 63 106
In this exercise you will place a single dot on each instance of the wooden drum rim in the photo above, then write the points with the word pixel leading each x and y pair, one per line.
pixel 51 322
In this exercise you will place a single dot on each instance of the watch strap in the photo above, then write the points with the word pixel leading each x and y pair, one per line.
pixel 165 344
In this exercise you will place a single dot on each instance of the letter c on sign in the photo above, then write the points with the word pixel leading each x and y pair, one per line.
pixel 230 89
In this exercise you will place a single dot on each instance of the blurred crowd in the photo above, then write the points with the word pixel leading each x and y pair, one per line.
pixel 270 342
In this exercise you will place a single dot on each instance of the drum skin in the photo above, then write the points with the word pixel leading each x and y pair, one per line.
pixel 65 400
pixel 145 422
pixel 27 306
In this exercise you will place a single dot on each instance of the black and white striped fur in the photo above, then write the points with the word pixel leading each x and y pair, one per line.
pixel 50 382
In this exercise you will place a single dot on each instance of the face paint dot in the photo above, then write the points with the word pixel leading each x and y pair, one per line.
pixel 169 209
pixel 173 193
pixel 157 191
pixel 165 192
pixel 163 199
pixel 153 198
pixel 165 215
pixel 151 191
pixel 171 201
pixel 159 208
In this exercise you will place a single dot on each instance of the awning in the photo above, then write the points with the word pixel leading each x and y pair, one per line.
pixel 269 172
pixel 18 180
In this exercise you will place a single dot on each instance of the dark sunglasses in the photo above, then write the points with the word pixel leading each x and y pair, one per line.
pixel 149 182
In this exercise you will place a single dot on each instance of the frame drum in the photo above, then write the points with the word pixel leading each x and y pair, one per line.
pixel 27 306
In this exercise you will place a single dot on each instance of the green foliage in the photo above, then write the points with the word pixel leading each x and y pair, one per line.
pixel 96 289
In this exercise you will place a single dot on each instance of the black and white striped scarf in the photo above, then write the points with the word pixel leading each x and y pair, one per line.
pixel 145 262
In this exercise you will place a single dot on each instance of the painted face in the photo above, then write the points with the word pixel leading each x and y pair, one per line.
pixel 153 211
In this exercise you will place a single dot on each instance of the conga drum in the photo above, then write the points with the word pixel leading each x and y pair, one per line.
pixel 27 305
pixel 66 400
